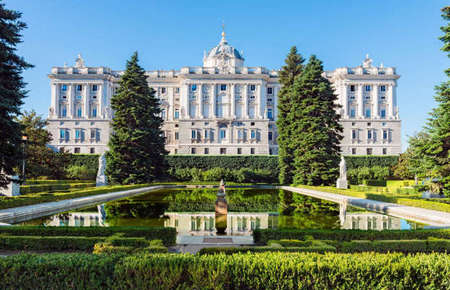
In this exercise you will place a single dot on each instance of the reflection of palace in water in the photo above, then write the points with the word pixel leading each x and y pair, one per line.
pixel 370 221
pixel 80 219
pixel 203 223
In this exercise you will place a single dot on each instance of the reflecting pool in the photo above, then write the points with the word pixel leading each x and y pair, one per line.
pixel 191 212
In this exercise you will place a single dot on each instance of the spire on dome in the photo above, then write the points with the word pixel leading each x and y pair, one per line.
pixel 223 40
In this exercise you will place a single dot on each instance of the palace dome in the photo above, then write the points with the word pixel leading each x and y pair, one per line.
pixel 223 51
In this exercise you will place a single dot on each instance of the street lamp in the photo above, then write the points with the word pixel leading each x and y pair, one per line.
pixel 24 140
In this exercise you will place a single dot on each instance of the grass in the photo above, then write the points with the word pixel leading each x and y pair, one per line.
pixel 403 199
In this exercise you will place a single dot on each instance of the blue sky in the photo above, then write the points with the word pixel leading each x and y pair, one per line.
pixel 172 34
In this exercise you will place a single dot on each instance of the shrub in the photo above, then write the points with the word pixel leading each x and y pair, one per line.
pixel 152 250
pixel 224 161
pixel 51 187
pixel 166 235
pixel 241 271
pixel 370 161
pixel 108 248
pixel 82 172
pixel 290 243
pixel 216 174
pixel 403 246
pixel 263 236
pixel 48 243
pixel 234 250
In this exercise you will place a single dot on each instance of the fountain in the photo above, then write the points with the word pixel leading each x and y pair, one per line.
pixel 221 210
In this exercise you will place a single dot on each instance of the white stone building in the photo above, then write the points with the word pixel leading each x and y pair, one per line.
pixel 222 107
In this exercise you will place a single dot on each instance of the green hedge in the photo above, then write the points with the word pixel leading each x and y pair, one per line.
pixel 65 243
pixel 263 236
pixel 90 160
pixel 223 161
pixel 27 189
pixel 370 161
pixel 243 175
pixel 167 235
pixel 49 181
pixel 403 246
pixel 243 250
pixel 239 271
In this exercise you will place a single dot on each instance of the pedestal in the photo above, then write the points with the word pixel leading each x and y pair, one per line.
pixel 342 183
pixel 13 188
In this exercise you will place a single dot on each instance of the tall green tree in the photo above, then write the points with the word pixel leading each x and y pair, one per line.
pixel 316 131
pixel 12 91
pixel 436 150
pixel 288 73
pixel 137 143
pixel 40 159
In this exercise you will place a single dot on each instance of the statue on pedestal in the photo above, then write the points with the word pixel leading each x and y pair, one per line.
pixel 342 180
pixel 101 179
pixel 221 210
pixel 13 188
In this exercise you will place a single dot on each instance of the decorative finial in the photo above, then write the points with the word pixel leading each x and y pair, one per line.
pixel 223 40
pixel 367 62
pixel 79 61
pixel 367 56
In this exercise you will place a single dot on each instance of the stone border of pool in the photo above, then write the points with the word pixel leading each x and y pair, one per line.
pixel 431 217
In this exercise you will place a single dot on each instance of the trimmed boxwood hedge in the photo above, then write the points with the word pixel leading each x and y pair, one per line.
pixel 263 236
pixel 268 162
pixel 90 160
pixel 167 235
pixel 234 250
pixel 239 271
pixel 26 189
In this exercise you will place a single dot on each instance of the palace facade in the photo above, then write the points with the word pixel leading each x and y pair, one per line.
pixel 222 107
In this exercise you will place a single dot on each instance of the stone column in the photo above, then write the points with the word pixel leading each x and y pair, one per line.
pixel 70 102
pixel 360 102
pixel 184 101
pixel 55 102
pixel 86 93
pixel 258 98
pixel 214 97
pixel 275 103
pixel 390 113
pixel 262 100
pixel 100 100
pixel 171 101
pixel 375 113
pixel 245 97
pixel 200 102
pixel 233 101
pixel 345 101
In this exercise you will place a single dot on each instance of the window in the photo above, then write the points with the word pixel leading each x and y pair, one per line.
pixel 270 136
pixel 64 97
pixel 239 151
pixel 206 150
pixel 223 87
pixel 252 87
pixel 383 88
pixel 193 151
pixel 253 134
pixel 385 134
pixel 252 123
pixel 64 111
pixel 177 135
pixel 62 133
pixel 94 112
pixel 78 134
pixel 79 112
pixel 64 88
pixel 384 151
pixel 240 134
pixel 369 124
pixel 176 115
pixel 163 90
pixel 352 112
pixel 163 114
pixel 352 88
pixel 367 97
pixel 193 134
pixel 252 150
pixel 78 97
pixel 383 113
pixel 368 113
pixel 354 134
pixel 223 134
pixel 193 88
pixel 269 91
pixel 368 87
pixel 369 134
pixel 76 150
pixel 383 97
pixel 177 90
pixel 79 87
pixel 353 151
pixel 369 151
pixel 206 134
pixel 270 151
pixel 93 133
pixel 269 114
pixel 94 88
pixel 223 150
pixel 92 150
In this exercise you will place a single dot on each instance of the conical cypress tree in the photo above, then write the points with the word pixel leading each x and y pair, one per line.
pixel 437 156
pixel 316 132
pixel 11 92
pixel 293 67
pixel 137 143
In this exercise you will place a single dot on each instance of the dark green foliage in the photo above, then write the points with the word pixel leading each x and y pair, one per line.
pixel 263 236
pixel 55 243
pixel 316 132
pixel 354 162
pixel 365 175
pixel 12 92
pixel 167 235
pixel 240 271
pixel 137 143
pixel 243 175
pixel 402 246
pixel 285 119
pixel 244 250
pixel 223 161
pixel 88 160
pixel 26 189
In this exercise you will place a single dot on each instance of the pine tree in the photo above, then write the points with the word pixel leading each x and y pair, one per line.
pixel 137 143
pixel 11 92
pixel 293 67
pixel 437 158
pixel 316 133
